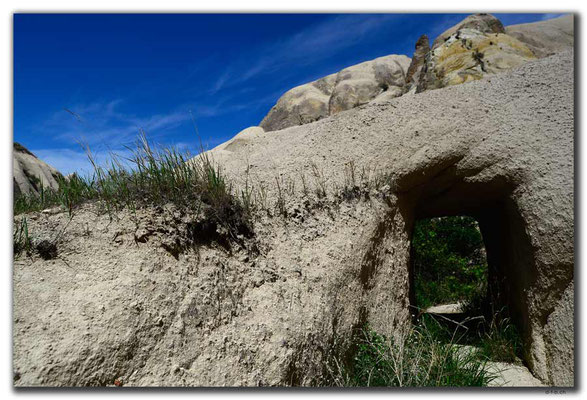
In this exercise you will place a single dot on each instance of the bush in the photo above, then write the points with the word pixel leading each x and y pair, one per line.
pixel 449 260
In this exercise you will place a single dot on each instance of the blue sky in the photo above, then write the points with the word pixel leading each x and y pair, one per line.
pixel 100 78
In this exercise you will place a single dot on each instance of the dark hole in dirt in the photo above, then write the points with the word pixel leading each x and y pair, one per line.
pixel 498 320
pixel 223 224
pixel 47 249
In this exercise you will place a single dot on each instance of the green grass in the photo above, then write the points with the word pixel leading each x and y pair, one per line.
pixel 449 261
pixel 21 239
pixel 415 358
pixel 501 341
pixel 151 177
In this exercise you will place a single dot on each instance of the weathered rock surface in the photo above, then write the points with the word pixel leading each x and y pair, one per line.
pixel 477 46
pixel 351 87
pixel 546 37
pixel 470 50
pixel 484 23
pixel 500 149
pixel 418 61
pixel 242 139
pixel 31 173
pixel 361 83
pixel 301 105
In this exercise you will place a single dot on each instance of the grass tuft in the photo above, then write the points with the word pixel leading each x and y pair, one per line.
pixel 414 358
pixel 153 177
pixel 21 240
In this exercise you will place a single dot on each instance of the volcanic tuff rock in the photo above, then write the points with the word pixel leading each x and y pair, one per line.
pixel 301 105
pixel 30 173
pixel 500 149
pixel 116 304
pixel 470 50
pixel 242 139
pixel 484 23
pixel 546 37
pixel 418 61
pixel 477 46
pixel 363 82
pixel 334 93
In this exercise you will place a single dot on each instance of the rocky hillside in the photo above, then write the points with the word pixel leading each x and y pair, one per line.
pixel 30 174
pixel 331 244
pixel 383 77
pixel 477 46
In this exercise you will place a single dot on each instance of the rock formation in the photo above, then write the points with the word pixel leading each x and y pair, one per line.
pixel 484 23
pixel 477 46
pixel 470 50
pixel 499 149
pixel 351 87
pixel 31 174
pixel 361 83
pixel 418 61
pixel 546 37
pixel 301 105
pixel 242 139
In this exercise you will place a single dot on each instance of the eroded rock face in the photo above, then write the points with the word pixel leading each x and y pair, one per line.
pixel 30 173
pixel 418 61
pixel 470 50
pixel 477 46
pixel 500 150
pixel 484 23
pixel 351 87
pixel 545 38
pixel 242 139
pixel 361 83
pixel 301 105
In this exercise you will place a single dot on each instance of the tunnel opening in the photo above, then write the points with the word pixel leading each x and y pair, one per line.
pixel 501 298
pixel 449 263
pixel 451 292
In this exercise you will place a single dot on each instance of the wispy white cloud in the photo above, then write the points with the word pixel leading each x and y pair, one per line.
pixel 551 16
pixel 102 123
pixel 306 46
pixel 221 81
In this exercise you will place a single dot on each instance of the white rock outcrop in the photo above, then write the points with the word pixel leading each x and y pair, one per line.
pixel 30 174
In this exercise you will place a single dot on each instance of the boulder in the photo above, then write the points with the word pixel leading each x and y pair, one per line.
pixel 241 139
pixel 470 50
pixel 30 174
pixel 361 83
pixel 545 38
pixel 300 105
pixel 351 87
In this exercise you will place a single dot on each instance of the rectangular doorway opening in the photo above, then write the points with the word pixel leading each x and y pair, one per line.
pixel 451 290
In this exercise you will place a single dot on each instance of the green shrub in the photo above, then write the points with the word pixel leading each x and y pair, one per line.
pixel 449 260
